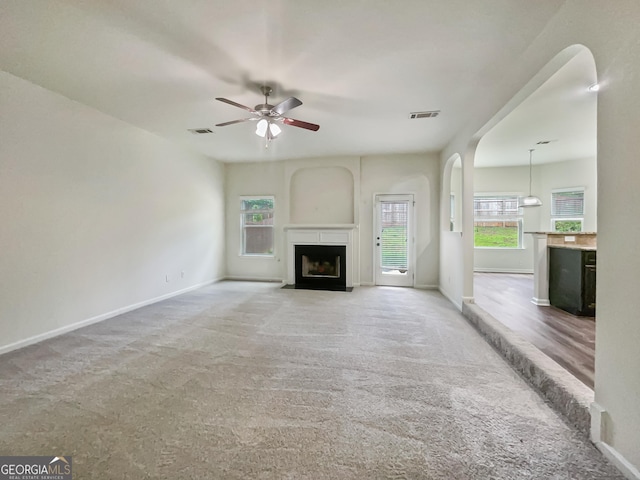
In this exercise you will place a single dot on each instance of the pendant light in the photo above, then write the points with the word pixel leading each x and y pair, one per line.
pixel 530 200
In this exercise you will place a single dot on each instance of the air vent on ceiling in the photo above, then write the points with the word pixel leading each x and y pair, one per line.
pixel 428 114
pixel 200 131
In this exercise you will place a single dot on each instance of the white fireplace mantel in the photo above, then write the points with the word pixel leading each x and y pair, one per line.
pixel 338 234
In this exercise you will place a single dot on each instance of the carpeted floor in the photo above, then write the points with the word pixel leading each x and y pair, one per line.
pixel 251 381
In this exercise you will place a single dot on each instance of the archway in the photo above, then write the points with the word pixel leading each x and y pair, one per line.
pixel 555 115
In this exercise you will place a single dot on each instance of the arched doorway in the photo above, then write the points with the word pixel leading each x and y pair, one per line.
pixel 554 124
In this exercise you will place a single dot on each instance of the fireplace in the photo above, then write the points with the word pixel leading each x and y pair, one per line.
pixel 321 267
pixel 320 257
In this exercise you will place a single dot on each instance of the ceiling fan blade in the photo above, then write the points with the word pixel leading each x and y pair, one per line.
pixel 232 122
pixel 286 105
pixel 299 123
pixel 231 102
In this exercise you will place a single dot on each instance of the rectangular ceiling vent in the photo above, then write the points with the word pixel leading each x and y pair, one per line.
pixel 200 131
pixel 429 114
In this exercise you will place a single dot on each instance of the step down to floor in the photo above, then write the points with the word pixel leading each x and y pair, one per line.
pixel 568 395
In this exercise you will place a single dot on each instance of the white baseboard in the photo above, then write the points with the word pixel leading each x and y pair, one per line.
pixel 240 278
pixel 621 463
pixel 503 270
pixel 98 318
pixel 600 437
pixel 541 302
pixel 598 423
pixel 423 287
pixel 456 302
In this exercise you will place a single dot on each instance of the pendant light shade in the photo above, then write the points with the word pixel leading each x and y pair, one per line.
pixel 530 200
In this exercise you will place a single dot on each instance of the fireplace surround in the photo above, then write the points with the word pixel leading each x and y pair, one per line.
pixel 320 257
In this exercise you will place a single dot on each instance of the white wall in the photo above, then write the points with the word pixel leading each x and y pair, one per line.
pixel 95 214
pixel 451 265
pixel 290 180
pixel 321 195
pixel 455 186
pixel 255 178
pixel 417 174
pixel 574 173
pixel 613 37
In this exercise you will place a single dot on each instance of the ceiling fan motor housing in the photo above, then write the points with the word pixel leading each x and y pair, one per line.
pixel 264 108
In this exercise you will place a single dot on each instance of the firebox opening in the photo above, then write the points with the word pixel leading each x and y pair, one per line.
pixel 321 267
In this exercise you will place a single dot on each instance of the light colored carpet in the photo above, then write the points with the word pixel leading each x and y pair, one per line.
pixel 246 380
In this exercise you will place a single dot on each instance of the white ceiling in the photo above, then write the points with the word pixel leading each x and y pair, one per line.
pixel 563 111
pixel 359 66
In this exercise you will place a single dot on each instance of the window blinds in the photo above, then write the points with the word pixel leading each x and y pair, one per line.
pixel 495 206
pixel 567 204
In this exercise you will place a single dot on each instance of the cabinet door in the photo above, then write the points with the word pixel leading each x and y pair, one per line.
pixel 589 293
pixel 565 279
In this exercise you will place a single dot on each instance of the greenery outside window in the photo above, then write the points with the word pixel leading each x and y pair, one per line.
pixel 256 220
pixel 567 210
pixel 497 221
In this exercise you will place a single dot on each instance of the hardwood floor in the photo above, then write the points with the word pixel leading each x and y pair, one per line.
pixel 567 339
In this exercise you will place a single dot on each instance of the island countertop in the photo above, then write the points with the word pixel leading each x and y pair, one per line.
pixel 574 247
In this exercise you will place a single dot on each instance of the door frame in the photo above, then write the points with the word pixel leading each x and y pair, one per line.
pixel 411 247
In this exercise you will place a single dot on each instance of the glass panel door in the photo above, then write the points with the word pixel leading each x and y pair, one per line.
pixel 394 238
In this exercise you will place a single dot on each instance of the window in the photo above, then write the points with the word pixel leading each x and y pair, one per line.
pixel 567 210
pixel 256 219
pixel 452 212
pixel 497 221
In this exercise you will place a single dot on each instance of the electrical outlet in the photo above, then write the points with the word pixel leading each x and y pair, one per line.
pixel 166 278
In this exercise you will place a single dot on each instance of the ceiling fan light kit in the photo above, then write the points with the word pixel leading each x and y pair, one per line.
pixel 268 116
pixel 264 125
pixel 530 200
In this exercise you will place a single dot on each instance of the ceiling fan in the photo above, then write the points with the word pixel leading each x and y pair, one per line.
pixel 269 116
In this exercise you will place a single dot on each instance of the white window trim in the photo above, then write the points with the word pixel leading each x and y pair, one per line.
pixel 566 219
pixel 242 226
pixel 554 218
pixel 517 218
